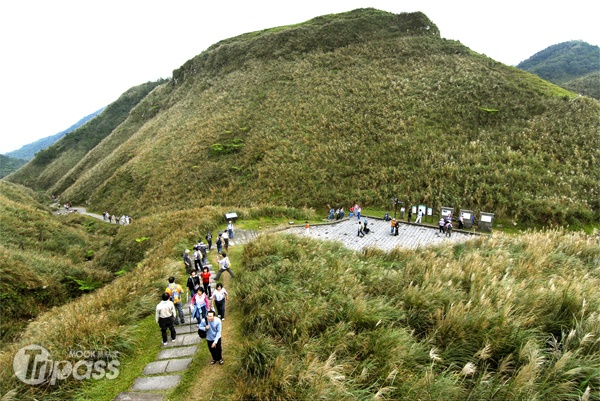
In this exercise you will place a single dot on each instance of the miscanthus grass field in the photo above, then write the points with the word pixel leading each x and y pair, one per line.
pixel 493 319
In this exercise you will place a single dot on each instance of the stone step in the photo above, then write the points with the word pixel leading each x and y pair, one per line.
pixel 167 366
pixel 139 397
pixel 156 383
pixel 177 352
pixel 184 339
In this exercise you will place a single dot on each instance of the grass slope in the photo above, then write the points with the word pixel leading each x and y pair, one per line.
pixel 109 318
pixel 493 319
pixel 9 165
pixel 44 261
pixel 588 85
pixel 398 114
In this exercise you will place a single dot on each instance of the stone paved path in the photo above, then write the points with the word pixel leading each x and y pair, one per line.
pixel 171 362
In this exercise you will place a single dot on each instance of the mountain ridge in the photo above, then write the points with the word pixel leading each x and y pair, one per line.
pixel 397 114
pixel 574 65
pixel 28 151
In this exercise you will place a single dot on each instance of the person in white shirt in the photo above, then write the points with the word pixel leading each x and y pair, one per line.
pixel 219 296
pixel 420 215
pixel 165 316
pixel 225 237
pixel 230 229
pixel 224 265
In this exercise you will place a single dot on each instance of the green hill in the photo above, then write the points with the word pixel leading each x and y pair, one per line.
pixel 45 262
pixel 56 161
pixel 574 65
pixel 317 115
pixel 9 165
pixel 28 151
pixel 588 85
pixel 360 106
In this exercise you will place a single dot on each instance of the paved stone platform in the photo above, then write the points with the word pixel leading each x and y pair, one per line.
pixel 410 235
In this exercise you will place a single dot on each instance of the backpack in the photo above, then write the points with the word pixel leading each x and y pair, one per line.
pixel 219 242
pixel 175 295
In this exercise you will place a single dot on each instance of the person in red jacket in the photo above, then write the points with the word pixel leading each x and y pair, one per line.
pixel 205 276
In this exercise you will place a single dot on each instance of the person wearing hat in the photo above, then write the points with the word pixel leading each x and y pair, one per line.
pixel 187 261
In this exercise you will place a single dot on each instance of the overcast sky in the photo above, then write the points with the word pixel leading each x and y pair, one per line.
pixel 64 59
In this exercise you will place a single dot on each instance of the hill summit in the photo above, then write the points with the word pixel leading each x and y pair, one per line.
pixel 574 65
pixel 361 107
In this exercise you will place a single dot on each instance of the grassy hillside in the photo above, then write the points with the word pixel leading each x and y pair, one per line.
pixel 388 113
pixel 9 165
pixel 588 85
pixel 108 318
pixel 493 319
pixel 54 162
pixel 498 318
pixel 45 261
pixel 574 65
pixel 564 62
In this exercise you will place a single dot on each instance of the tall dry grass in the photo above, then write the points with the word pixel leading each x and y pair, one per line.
pixel 499 318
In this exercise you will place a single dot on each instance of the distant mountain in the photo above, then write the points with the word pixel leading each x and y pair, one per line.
pixel 9 165
pixel 58 163
pixel 28 151
pixel 574 65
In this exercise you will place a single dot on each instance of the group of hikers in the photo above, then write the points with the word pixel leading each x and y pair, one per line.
pixel 111 218
pixel 338 214
pixel 445 223
pixel 207 306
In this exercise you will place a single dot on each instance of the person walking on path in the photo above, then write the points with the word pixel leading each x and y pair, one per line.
pixel 420 214
pixel 205 276
pixel 230 229
pixel 187 261
pixel 441 225
pixel 197 258
pixel 203 248
pixel 449 228
pixel 392 226
pixel 193 282
pixel 361 232
pixel 213 338
pixel 224 265
pixel 165 316
pixel 219 243
pixel 209 240
pixel 219 297
pixel 175 291
pixel 199 305
pixel 307 229
pixel 226 240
